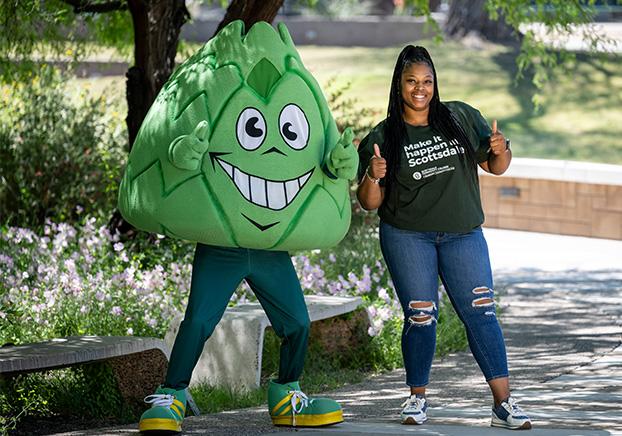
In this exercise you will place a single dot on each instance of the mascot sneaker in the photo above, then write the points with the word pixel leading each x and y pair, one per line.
pixel 289 406
pixel 168 408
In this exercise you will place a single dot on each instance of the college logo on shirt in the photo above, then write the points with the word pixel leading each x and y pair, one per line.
pixel 431 151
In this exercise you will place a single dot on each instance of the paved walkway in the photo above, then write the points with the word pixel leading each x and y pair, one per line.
pixel 561 315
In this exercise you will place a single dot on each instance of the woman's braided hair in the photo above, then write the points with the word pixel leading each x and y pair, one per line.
pixel 440 118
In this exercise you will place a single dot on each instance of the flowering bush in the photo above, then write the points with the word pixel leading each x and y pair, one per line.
pixel 83 280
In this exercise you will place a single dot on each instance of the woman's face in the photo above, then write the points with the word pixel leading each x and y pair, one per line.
pixel 417 87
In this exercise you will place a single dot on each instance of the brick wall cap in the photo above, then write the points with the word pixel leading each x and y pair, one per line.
pixel 564 170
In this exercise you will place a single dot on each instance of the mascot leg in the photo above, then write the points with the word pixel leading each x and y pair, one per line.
pixel 274 281
pixel 216 273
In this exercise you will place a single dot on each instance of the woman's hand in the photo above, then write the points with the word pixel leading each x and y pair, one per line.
pixel 377 168
pixel 500 155
pixel 497 141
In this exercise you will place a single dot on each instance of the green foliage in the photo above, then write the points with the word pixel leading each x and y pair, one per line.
pixel 210 399
pixel 450 333
pixel 386 352
pixel 558 18
pixel 84 281
pixel 98 389
pixel 32 29
pixel 17 402
pixel 533 19
pixel 84 392
pixel 112 29
pixel 58 158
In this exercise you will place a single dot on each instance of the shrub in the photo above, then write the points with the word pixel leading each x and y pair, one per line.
pixel 86 393
pixel 83 280
pixel 58 156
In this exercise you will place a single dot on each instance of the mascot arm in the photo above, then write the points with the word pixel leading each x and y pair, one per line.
pixel 186 151
pixel 342 160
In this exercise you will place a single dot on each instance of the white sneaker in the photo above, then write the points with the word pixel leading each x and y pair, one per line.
pixel 414 410
pixel 509 415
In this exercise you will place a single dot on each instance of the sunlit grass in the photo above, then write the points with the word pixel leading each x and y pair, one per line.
pixel 578 119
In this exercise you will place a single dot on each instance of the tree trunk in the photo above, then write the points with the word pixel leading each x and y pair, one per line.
pixel 157 25
pixel 434 5
pixel 382 7
pixel 250 11
pixel 467 16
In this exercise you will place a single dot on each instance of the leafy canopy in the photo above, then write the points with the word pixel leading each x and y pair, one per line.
pixel 32 29
pixel 535 20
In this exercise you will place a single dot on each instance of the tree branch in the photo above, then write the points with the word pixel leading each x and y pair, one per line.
pixel 86 6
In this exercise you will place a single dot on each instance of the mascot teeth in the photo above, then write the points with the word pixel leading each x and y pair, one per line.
pixel 272 194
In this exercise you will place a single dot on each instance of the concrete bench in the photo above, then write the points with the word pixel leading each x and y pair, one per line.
pixel 139 364
pixel 232 355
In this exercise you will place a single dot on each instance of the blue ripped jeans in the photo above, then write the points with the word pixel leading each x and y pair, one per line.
pixel 415 261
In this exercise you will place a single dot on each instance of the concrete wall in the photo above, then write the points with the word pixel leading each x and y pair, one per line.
pixel 368 31
pixel 571 198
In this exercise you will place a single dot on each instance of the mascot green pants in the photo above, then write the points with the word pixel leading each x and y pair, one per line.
pixel 217 273
pixel 240 154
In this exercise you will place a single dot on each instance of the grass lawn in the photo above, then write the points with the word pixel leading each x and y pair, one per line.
pixel 580 118
pixel 581 114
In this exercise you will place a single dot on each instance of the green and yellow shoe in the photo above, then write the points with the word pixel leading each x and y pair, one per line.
pixel 168 408
pixel 289 406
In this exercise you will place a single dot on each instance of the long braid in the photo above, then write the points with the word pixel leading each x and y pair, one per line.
pixel 440 117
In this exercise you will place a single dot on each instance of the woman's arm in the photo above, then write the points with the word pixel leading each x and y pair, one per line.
pixel 369 192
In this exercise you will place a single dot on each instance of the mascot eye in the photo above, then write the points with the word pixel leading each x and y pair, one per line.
pixel 294 127
pixel 251 129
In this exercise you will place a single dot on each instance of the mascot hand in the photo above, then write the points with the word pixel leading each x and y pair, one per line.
pixel 343 160
pixel 186 151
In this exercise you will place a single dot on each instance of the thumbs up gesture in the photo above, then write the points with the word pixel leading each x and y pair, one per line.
pixel 343 160
pixel 186 151
pixel 497 140
pixel 377 168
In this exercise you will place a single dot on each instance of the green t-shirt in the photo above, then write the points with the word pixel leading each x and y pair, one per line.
pixel 434 190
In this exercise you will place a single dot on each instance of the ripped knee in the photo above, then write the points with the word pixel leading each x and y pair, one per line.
pixel 484 298
pixel 424 313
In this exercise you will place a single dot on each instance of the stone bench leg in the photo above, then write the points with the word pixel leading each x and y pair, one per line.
pixel 232 355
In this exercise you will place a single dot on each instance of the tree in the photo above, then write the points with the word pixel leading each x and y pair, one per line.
pixel 251 11
pixel 155 26
pixel 529 20
pixel 466 16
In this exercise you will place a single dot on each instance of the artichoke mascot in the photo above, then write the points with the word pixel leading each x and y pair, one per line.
pixel 240 154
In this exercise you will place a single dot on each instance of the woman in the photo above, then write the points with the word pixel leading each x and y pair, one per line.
pixel 419 168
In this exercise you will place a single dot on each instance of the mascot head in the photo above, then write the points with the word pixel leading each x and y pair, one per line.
pixel 232 150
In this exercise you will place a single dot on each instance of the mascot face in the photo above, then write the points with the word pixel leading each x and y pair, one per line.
pixel 231 152
pixel 266 153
